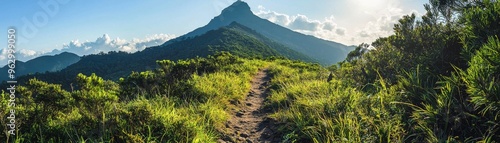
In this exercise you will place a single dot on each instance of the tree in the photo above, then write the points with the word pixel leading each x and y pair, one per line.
pixel 48 98
pixel 358 52
pixel 95 92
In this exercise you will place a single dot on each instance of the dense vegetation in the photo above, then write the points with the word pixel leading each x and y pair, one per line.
pixel 434 80
pixel 438 76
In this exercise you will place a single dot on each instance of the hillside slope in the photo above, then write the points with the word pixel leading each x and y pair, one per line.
pixel 326 52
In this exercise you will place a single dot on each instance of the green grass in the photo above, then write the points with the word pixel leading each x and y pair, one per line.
pixel 320 111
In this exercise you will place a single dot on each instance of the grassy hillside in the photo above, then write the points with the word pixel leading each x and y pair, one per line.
pixel 179 102
pixel 183 101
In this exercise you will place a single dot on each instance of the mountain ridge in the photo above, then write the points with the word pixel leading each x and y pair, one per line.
pixel 43 64
pixel 326 52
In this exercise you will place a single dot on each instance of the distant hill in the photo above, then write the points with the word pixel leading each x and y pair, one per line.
pixel 42 64
pixel 234 38
pixel 326 52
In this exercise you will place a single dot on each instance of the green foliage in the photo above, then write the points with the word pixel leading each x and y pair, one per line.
pixel 94 91
pixel 481 23
pixel 171 77
pixel 233 86
pixel 49 95
pixel 358 52
pixel 160 121
pixel 422 70
pixel 483 78
pixel 38 103
pixel 314 110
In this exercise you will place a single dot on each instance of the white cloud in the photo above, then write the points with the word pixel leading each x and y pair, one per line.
pixel 3 57
pixel 101 44
pixel 278 18
pixel 301 22
pixel 106 44
pixel 329 25
pixel 381 25
pixel 27 52
pixel 340 31
pixel 326 29
pixel 22 55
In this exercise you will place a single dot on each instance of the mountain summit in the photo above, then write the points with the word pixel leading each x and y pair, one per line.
pixel 326 52
pixel 235 10
pixel 239 11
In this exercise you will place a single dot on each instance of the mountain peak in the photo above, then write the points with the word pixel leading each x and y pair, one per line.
pixel 238 8
pixel 326 52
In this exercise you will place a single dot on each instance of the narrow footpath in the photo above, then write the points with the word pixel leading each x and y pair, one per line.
pixel 250 124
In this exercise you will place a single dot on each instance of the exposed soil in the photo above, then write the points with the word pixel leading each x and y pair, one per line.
pixel 250 123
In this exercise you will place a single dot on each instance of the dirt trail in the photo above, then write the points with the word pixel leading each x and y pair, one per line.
pixel 249 124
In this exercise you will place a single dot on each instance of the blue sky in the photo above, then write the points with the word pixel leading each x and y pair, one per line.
pixel 133 25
